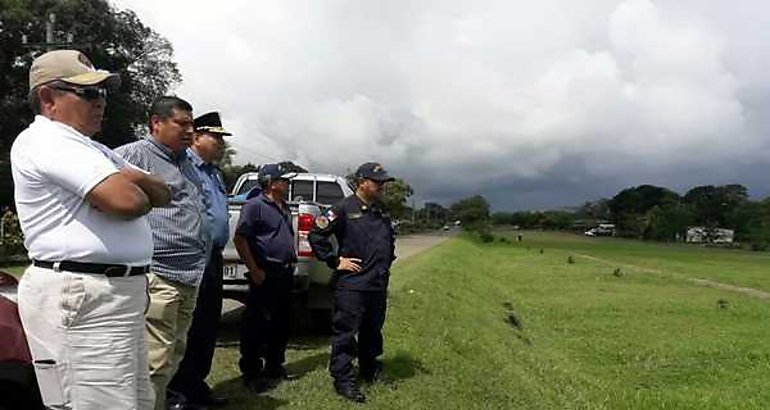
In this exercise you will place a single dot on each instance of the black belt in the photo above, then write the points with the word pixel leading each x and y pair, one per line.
pixel 98 268
pixel 280 265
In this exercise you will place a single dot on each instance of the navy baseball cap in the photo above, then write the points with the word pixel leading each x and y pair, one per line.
pixel 275 172
pixel 373 171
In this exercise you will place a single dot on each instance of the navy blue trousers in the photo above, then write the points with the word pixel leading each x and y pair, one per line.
pixel 357 321
pixel 265 324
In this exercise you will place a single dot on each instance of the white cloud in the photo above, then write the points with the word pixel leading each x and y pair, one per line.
pixel 501 90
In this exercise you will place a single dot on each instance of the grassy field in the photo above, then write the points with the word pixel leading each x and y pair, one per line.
pixel 504 326
pixel 15 270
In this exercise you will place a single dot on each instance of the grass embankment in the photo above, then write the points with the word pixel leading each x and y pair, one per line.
pixel 729 266
pixel 15 270
pixel 504 326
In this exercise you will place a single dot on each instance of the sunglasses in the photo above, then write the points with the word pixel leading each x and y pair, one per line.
pixel 87 93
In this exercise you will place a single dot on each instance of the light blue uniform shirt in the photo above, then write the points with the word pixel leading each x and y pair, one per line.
pixel 214 197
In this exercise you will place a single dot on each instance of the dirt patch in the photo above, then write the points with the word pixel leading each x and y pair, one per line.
pixel 747 291
pixel 515 323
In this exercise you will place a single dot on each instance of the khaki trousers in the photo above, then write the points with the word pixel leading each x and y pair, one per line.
pixel 87 338
pixel 168 319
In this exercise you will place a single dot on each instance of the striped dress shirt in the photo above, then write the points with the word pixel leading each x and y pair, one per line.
pixel 180 233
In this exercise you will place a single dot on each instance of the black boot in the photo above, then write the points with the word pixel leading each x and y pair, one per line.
pixel 371 373
pixel 350 391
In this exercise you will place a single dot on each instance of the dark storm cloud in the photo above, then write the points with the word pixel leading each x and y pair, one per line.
pixel 531 104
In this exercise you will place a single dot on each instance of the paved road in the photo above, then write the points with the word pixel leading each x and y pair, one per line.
pixel 406 247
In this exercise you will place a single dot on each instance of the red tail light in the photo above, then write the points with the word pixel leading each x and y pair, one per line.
pixel 305 223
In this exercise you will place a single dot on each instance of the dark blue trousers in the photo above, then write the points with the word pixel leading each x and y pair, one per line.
pixel 265 324
pixel 361 314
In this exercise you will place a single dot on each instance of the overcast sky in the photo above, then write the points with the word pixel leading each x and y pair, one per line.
pixel 531 104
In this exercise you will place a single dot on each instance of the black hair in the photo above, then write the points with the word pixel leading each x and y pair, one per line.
pixel 164 107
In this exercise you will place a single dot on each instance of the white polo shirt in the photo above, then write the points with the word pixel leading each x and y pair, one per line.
pixel 54 167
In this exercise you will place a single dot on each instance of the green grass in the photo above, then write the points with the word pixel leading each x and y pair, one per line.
pixel 16 270
pixel 730 266
pixel 588 340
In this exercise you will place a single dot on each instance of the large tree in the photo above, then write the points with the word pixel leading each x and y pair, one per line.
pixel 394 196
pixel 114 40
pixel 713 204
pixel 630 207
pixel 433 213
pixel 473 212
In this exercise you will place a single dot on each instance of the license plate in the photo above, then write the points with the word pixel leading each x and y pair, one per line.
pixel 234 271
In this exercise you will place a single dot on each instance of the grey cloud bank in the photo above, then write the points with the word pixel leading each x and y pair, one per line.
pixel 532 105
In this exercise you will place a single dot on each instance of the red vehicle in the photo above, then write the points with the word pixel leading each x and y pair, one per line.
pixel 18 387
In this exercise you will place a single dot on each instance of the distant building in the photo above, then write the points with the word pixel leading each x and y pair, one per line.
pixel 701 234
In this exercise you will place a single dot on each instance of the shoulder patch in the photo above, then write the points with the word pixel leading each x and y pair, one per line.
pixel 322 222
pixel 331 215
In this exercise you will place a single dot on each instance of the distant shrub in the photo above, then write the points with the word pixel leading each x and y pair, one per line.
pixel 12 241
pixel 486 237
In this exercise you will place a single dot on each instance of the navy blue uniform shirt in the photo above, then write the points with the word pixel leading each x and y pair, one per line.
pixel 362 231
pixel 267 227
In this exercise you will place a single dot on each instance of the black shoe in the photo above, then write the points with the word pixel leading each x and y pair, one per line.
pixel 258 384
pixel 211 400
pixel 279 373
pixel 184 406
pixel 350 391
pixel 371 374
pixel 178 401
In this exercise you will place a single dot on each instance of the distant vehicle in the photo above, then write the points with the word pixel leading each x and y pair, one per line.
pixel 601 230
pixel 445 227
pixel 311 276
pixel 700 234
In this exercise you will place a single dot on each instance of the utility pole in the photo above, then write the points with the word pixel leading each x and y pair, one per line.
pixel 50 38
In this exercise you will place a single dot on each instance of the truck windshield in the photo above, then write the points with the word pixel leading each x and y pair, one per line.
pixel 329 193
pixel 301 190
pixel 247 186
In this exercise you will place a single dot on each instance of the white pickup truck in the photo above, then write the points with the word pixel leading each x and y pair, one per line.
pixel 309 195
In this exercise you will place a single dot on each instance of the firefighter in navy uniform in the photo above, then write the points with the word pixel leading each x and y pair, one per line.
pixel 361 271
pixel 264 239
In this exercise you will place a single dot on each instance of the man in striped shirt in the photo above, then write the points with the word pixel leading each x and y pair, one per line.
pixel 180 235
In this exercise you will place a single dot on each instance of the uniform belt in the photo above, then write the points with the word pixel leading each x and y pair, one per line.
pixel 280 265
pixel 98 268
pixel 277 263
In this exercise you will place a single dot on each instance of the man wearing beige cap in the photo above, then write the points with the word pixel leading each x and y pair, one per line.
pixel 81 208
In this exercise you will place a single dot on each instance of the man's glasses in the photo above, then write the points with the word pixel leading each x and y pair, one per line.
pixel 91 93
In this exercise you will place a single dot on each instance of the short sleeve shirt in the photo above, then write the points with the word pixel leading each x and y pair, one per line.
pixel 268 230
pixel 54 167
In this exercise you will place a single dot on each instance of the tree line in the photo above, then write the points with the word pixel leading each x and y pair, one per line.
pixel 114 40
pixel 657 213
